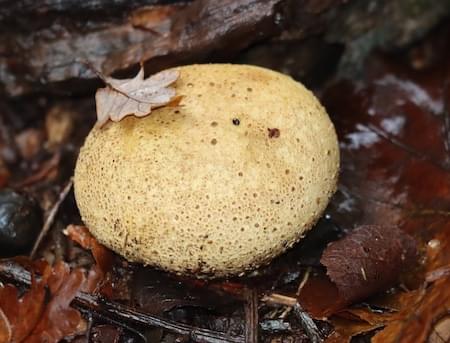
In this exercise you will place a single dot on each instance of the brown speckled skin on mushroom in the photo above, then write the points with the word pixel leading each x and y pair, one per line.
pixel 192 190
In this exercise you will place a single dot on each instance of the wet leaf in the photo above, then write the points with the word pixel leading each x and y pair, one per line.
pixel 414 322
pixel 59 319
pixel 5 328
pixel 345 330
pixel 395 172
pixel 22 313
pixel 368 260
pixel 418 315
pixel 32 317
pixel 136 96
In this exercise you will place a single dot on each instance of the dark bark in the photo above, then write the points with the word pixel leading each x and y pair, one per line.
pixel 45 44
pixel 33 61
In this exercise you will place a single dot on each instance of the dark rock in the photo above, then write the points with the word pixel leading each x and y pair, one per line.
pixel 20 222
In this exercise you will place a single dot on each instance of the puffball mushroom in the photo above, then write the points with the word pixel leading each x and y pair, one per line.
pixel 219 185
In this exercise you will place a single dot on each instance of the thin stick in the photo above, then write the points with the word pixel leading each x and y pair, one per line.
pixel 251 316
pixel 414 211
pixel 311 329
pixel 112 322
pixel 121 314
pixel 46 168
pixel 7 134
pixel 446 117
pixel 276 299
pixel 89 328
pixel 398 143
pixel 51 217
pixel 285 312
pixel 304 281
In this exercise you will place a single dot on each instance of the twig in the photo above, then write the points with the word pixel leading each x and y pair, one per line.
pixel 7 135
pixel 122 314
pixel 279 300
pixel 304 281
pixel 437 274
pixel 446 117
pixel 112 322
pixel 89 328
pixel 285 312
pixel 251 316
pixel 51 217
pixel 394 141
pixel 46 168
pixel 311 329
pixel 413 211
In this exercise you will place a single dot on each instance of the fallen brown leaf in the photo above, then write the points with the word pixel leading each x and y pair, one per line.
pixel 33 318
pixel 345 330
pixel 59 319
pixel 415 321
pixel 368 260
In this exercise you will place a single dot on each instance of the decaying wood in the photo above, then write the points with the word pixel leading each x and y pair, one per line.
pixel 191 33
pixel 44 43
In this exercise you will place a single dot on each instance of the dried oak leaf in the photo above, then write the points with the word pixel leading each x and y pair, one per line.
pixel 32 317
pixel 368 260
pixel 136 96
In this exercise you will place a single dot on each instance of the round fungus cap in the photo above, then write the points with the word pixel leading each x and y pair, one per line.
pixel 222 183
